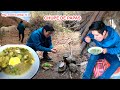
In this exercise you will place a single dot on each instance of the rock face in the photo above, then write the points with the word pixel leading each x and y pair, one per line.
pixel 112 18
pixel 8 29
pixel 5 21
pixel 9 21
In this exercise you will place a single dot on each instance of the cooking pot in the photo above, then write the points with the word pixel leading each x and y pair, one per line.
pixel 33 69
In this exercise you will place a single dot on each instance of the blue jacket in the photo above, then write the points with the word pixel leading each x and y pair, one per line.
pixel 21 27
pixel 37 41
pixel 111 43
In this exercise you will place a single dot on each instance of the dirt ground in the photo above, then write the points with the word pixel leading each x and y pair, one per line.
pixel 60 42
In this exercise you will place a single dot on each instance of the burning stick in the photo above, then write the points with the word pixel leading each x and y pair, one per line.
pixel 65 72
pixel 70 75
pixel 70 46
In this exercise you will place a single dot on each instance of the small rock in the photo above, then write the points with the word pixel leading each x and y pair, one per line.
pixel 65 56
pixel 71 59
pixel 73 67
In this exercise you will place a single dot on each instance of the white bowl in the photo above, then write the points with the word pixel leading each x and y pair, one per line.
pixel 95 53
pixel 31 72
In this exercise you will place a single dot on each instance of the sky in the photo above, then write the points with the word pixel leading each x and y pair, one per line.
pixel 25 15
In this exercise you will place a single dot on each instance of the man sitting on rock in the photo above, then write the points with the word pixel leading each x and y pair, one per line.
pixel 107 38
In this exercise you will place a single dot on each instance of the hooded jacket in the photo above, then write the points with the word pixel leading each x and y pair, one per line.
pixel 111 42
pixel 21 27
pixel 38 41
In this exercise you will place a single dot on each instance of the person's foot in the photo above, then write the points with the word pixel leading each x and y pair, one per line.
pixel 21 41
pixel 47 58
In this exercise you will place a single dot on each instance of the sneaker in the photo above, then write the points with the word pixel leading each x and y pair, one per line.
pixel 47 58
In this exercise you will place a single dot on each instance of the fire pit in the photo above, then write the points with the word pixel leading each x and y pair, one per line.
pixel 68 64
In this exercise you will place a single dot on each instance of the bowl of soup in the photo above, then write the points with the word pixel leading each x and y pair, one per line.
pixel 95 50
pixel 18 61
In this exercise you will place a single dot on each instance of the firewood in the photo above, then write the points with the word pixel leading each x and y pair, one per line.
pixel 83 45
pixel 82 29
pixel 76 26
pixel 89 23
pixel 99 17
pixel 70 73
pixel 84 16
pixel 85 22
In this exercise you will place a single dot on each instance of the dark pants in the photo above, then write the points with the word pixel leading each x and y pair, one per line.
pixel 20 36
pixel 112 59
pixel 45 44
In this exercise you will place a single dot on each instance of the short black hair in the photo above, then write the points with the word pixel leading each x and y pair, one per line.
pixel 98 26
pixel 21 21
pixel 48 27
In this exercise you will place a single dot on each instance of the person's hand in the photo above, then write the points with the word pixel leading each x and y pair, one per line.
pixel 104 51
pixel 87 39
pixel 53 50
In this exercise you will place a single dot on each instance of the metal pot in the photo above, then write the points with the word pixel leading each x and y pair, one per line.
pixel 62 67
